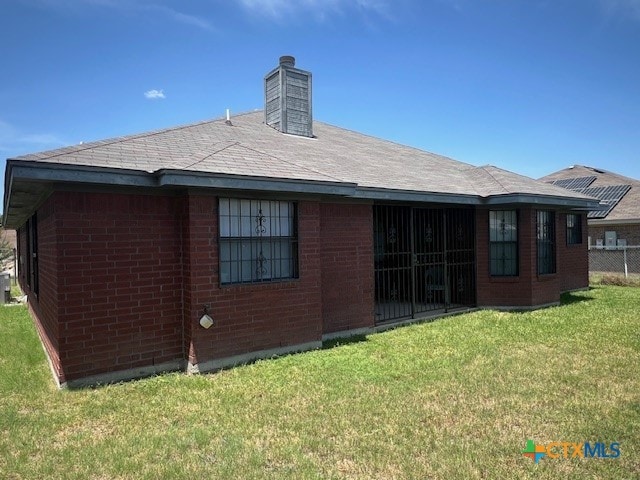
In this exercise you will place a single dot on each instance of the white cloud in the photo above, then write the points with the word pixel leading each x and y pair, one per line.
pixel 14 142
pixel 180 17
pixel 41 139
pixel 154 94
pixel 141 7
pixel 622 7
pixel 278 9
pixel 6 130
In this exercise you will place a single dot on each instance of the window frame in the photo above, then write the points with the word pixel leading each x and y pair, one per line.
pixel 546 263
pixel 234 239
pixel 32 271
pixel 515 244
pixel 27 254
pixel 574 232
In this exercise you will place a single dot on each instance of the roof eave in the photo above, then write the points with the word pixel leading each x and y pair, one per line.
pixel 575 203
pixel 179 178
pixel 41 176
pixel 8 182
pixel 372 193
pixel 52 172
pixel 29 183
pixel 44 175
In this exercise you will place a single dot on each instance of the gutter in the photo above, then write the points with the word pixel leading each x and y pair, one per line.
pixel 372 193
pixel 577 203
pixel 180 178
pixel 73 174
pixel 47 173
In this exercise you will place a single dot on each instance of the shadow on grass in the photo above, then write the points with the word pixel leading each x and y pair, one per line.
pixel 570 298
pixel 337 342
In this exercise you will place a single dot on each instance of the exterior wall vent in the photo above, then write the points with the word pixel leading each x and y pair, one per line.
pixel 287 99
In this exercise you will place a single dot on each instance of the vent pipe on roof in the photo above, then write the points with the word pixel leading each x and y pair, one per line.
pixel 288 61
pixel 287 98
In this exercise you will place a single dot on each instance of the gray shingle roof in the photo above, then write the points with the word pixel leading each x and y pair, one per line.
pixel 251 148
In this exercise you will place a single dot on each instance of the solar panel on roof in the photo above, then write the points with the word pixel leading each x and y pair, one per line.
pixel 575 184
pixel 609 196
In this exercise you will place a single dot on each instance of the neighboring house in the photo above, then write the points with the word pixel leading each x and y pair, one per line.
pixel 8 241
pixel 207 245
pixel 617 224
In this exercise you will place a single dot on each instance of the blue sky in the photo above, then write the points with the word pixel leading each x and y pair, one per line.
pixel 528 85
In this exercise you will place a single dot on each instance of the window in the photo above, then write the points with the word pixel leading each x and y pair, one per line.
pixel 31 232
pixel 258 240
pixel 574 229
pixel 503 242
pixel 546 236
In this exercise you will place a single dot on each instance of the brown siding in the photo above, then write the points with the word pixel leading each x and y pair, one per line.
pixel 347 266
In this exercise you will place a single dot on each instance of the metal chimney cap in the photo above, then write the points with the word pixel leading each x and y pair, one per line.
pixel 288 61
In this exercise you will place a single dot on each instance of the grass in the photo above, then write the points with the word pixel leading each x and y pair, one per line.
pixel 456 398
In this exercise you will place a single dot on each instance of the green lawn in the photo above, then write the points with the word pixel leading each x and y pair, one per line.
pixel 456 398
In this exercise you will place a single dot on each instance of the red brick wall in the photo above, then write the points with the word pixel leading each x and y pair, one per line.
pixel 573 260
pixel 199 226
pixel 119 281
pixel 127 278
pixel 504 291
pixel 250 317
pixel 529 288
pixel 544 288
pixel 134 273
pixel 44 306
pixel 346 239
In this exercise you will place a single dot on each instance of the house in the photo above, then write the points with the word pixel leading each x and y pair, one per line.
pixel 8 244
pixel 208 245
pixel 619 223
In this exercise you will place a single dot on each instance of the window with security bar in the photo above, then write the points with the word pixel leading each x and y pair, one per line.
pixel 546 240
pixel 574 229
pixel 258 240
pixel 31 261
pixel 503 243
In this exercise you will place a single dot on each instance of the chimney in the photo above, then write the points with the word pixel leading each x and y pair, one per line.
pixel 287 99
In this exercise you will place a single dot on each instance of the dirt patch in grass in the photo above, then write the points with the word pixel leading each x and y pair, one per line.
pixel 616 279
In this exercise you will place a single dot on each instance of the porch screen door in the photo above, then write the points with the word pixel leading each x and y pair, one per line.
pixel 424 260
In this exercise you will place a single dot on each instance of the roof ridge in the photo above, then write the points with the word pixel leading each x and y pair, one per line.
pixel 484 167
pixel 289 163
pixel 594 171
pixel 230 144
